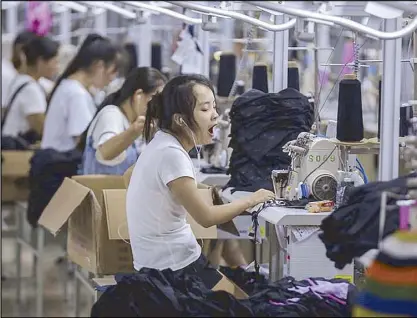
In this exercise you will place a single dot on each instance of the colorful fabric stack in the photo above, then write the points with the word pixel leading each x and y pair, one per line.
pixel 391 280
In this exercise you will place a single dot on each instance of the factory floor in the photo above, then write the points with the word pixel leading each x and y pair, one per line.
pixel 55 304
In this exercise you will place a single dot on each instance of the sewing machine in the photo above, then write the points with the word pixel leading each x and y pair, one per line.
pixel 314 169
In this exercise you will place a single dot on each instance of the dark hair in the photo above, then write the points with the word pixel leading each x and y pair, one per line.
pixel 94 48
pixel 147 79
pixel 40 47
pixel 177 97
pixel 21 39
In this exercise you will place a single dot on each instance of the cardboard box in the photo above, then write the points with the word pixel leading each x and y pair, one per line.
pixel 15 167
pixel 95 209
pixel 92 243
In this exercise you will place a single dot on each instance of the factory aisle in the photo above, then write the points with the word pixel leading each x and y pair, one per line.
pixel 54 299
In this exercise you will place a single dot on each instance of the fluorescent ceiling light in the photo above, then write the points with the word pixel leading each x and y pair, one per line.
pixel 112 7
pixel 73 6
pixel 150 7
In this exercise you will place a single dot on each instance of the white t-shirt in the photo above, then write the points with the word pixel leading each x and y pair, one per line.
pixel 109 122
pixel 8 74
pixel 160 236
pixel 30 100
pixel 71 110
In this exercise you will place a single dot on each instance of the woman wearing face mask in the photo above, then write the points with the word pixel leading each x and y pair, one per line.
pixel 26 102
pixel 69 112
pixel 163 186
pixel 111 143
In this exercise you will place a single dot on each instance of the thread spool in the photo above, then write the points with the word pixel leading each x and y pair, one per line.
pixel 227 74
pixel 379 107
pixel 406 113
pixel 349 113
pixel 132 56
pixel 260 77
pixel 293 75
pixel 156 56
pixel 240 88
pixel 404 211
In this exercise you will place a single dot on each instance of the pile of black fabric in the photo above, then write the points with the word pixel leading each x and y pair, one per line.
pixel 247 281
pixel 261 124
pixel 353 229
pixel 152 293
pixel 48 170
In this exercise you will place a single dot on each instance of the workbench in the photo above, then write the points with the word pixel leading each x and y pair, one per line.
pixel 294 246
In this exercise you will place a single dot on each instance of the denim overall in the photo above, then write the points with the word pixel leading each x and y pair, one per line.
pixel 90 164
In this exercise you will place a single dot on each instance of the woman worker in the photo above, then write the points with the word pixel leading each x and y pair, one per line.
pixel 25 106
pixel 111 142
pixel 69 112
pixel 163 186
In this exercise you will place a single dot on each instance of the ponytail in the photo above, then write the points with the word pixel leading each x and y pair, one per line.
pixel 87 54
pixel 154 114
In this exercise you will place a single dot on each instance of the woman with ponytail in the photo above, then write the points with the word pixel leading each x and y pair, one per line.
pixel 163 187
pixel 71 107
pixel 111 144
pixel 70 110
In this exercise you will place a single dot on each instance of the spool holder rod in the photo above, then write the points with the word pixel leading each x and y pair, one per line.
pixel 280 57
pixel 390 108
pixel 362 61
pixel 291 48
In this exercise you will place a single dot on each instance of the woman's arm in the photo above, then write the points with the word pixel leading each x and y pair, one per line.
pixel 117 144
pixel 187 194
pixel 36 122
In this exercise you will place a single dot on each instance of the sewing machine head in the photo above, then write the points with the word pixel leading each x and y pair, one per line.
pixel 314 169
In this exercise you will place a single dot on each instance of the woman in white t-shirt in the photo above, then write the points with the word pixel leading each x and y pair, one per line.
pixel 26 100
pixel 69 112
pixel 111 142
pixel 17 64
pixel 163 186
pixel 71 106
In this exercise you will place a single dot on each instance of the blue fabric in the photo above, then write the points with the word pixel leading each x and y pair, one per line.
pixel 387 306
pixel 92 166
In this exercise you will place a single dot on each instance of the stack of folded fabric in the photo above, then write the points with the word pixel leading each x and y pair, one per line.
pixel 261 124
pixel 352 229
pixel 391 280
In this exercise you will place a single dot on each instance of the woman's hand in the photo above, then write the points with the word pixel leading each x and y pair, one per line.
pixel 138 124
pixel 261 196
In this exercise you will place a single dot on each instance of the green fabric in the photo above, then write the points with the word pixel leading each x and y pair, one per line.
pixel 390 291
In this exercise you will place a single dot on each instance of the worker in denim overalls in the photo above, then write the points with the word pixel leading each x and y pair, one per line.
pixel 113 142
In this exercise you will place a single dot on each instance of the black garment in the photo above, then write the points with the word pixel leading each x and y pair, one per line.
pixel 48 170
pixel 352 229
pixel 183 293
pixel 261 124
pixel 201 267
pixel 213 170
pixel 247 281
pixel 152 293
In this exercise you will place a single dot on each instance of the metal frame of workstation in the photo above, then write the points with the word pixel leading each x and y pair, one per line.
pixel 392 34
